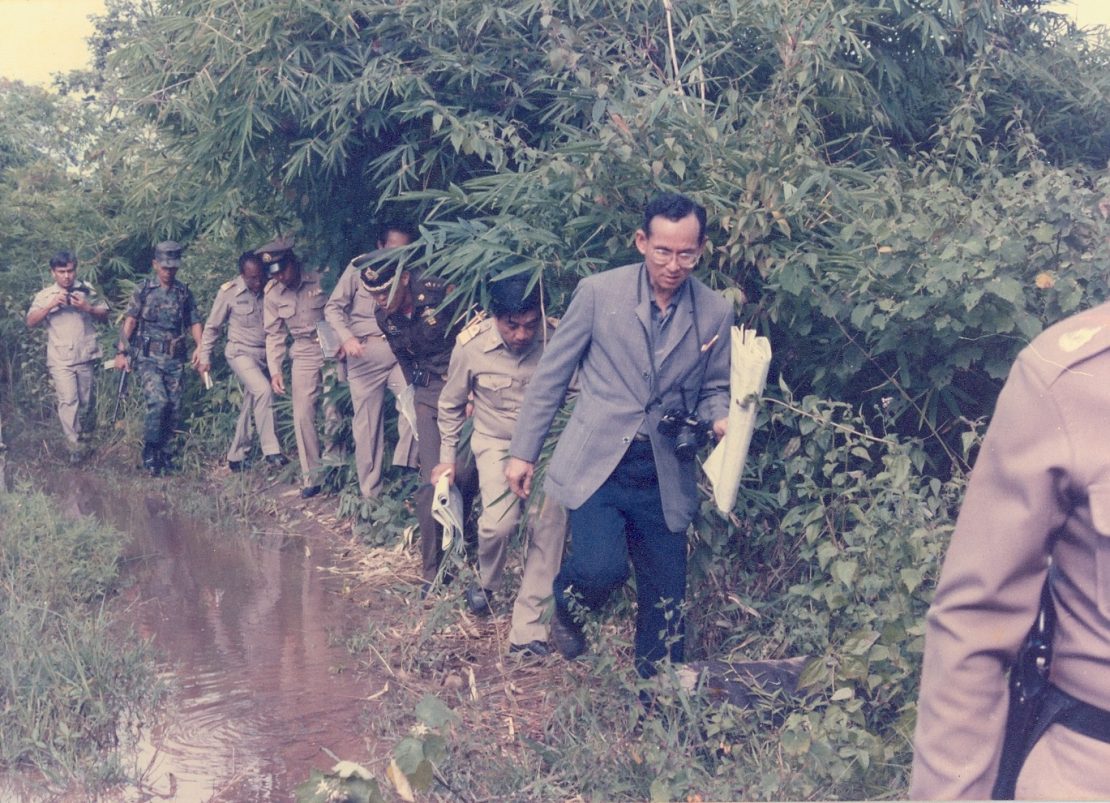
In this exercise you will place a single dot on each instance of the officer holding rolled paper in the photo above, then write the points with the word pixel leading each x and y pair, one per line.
pixel 421 332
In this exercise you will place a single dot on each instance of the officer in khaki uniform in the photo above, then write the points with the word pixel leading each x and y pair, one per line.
pixel 70 309
pixel 421 336
pixel 293 305
pixel 371 368
pixel 238 304
pixel 1039 493
pixel 491 365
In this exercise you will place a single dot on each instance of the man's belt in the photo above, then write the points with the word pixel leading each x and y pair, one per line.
pixel 172 347
pixel 422 377
pixel 1076 715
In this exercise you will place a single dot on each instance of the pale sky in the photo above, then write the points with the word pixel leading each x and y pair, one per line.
pixel 41 37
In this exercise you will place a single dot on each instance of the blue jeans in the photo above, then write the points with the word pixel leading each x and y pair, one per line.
pixel 624 520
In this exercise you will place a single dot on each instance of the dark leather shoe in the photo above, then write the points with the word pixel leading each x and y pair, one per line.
pixel 533 649
pixel 477 600
pixel 277 460
pixel 235 465
pixel 151 460
pixel 567 635
pixel 310 491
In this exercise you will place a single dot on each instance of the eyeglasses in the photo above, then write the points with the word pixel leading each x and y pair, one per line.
pixel 685 259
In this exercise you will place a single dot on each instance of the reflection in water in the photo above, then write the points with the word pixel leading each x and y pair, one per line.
pixel 242 627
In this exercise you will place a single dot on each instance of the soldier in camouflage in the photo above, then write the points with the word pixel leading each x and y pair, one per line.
pixel 162 313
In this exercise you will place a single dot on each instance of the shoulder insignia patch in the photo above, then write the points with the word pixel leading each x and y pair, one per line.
pixel 473 328
pixel 1072 341
pixel 270 284
pixel 227 285
pixel 552 321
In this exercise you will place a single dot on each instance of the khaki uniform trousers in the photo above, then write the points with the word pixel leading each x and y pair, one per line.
pixel 1065 765
pixel 75 388
pixel 258 399
pixel 306 373
pixel 542 559
pixel 500 508
pixel 427 441
pixel 368 377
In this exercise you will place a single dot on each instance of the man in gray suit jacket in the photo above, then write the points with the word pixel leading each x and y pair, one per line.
pixel 647 340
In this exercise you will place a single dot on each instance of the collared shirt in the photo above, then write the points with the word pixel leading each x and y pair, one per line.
pixel 295 312
pixel 241 310
pixel 71 333
pixel 661 319
pixel 485 369
pixel 350 310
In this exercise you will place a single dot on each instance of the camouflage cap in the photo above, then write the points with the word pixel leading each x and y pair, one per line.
pixel 376 270
pixel 275 253
pixel 168 254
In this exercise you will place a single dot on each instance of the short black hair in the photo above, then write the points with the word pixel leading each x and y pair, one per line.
pixel 250 256
pixel 62 258
pixel 512 296
pixel 400 226
pixel 674 206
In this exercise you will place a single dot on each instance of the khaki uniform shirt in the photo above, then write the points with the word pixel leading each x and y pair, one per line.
pixel 71 334
pixel 294 311
pixel 483 368
pixel 350 310
pixel 1040 488
pixel 241 310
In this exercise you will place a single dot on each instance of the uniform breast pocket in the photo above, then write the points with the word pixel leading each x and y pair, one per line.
pixel 1100 518
pixel 286 311
pixel 495 390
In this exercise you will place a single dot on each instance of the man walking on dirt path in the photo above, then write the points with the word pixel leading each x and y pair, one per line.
pixel 650 344
pixel 293 305
pixel 421 333
pixel 238 305
pixel 371 367
pixel 491 365
pixel 71 309
pixel 162 313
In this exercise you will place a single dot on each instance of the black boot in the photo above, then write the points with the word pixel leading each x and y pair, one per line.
pixel 151 459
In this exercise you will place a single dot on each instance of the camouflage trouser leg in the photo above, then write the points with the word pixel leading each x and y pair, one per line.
pixel 162 383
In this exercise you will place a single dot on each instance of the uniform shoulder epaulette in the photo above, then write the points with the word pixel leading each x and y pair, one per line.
pixel 552 321
pixel 1071 341
pixel 474 327
pixel 227 285
pixel 270 284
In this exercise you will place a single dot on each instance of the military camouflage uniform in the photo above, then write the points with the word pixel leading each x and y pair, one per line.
pixel 165 317
pixel 422 344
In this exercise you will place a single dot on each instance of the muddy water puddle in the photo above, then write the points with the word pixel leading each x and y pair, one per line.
pixel 244 626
